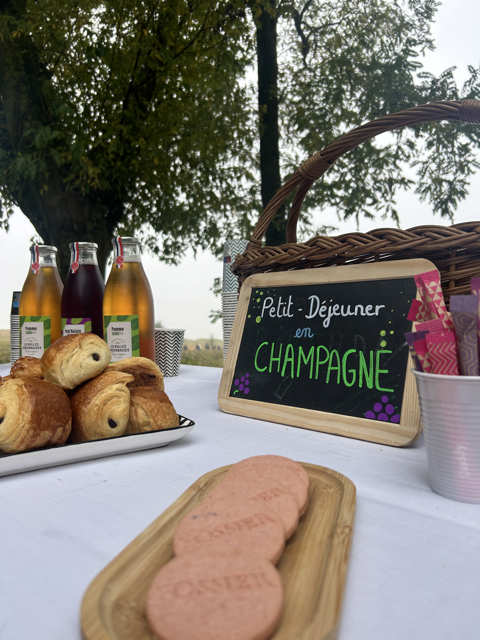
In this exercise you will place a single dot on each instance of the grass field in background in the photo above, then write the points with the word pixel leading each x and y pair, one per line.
pixel 4 346
pixel 202 358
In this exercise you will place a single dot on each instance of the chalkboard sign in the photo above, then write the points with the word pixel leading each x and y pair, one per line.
pixel 325 349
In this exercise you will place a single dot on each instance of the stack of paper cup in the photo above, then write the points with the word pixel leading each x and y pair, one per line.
pixel 15 327
pixel 230 288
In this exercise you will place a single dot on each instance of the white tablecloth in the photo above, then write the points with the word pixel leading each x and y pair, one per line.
pixel 414 570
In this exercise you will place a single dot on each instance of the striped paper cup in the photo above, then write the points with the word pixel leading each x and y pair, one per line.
pixel 168 350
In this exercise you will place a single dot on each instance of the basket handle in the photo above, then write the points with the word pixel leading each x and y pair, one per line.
pixel 461 110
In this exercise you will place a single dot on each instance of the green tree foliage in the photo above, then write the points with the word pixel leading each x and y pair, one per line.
pixel 135 116
pixel 123 115
pixel 344 63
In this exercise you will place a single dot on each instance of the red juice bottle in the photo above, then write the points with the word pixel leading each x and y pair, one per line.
pixel 82 299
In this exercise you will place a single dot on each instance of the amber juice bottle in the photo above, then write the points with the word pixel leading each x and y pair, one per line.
pixel 40 303
pixel 128 312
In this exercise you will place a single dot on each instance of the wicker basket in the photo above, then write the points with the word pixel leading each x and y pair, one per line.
pixel 455 250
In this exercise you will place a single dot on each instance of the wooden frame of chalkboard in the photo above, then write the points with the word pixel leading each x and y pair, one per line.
pixel 324 349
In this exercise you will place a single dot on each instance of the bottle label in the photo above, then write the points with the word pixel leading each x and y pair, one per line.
pixel 119 259
pixel 76 256
pixel 35 335
pixel 122 336
pixel 76 325
pixel 35 258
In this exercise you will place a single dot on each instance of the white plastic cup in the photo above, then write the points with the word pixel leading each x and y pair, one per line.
pixel 450 408
pixel 168 350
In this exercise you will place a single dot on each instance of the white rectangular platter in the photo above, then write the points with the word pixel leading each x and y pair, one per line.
pixel 68 453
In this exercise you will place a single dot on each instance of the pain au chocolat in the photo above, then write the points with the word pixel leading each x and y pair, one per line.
pixel 146 372
pixel 27 367
pixel 150 410
pixel 33 414
pixel 73 359
pixel 100 407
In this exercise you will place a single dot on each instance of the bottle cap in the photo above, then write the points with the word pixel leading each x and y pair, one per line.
pixel 45 248
pixel 75 249
pixel 131 246
pixel 83 245
pixel 37 250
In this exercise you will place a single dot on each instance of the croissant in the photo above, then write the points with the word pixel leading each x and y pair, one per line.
pixel 33 414
pixel 144 370
pixel 27 367
pixel 150 410
pixel 100 407
pixel 71 360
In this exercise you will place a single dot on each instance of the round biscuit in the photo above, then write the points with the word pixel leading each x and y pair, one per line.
pixel 281 473
pixel 246 524
pixel 215 594
pixel 282 461
pixel 262 489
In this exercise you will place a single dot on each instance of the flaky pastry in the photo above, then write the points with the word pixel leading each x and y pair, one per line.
pixel 71 360
pixel 150 410
pixel 33 414
pixel 27 367
pixel 100 407
pixel 146 372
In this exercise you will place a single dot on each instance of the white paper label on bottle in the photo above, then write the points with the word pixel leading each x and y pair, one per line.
pixel 76 325
pixel 122 336
pixel 35 335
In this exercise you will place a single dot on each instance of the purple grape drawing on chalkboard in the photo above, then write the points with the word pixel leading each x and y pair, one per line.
pixel 383 411
pixel 242 384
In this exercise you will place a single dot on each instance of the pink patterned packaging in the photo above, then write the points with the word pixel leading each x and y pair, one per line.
pixel 411 339
pixel 430 289
pixel 431 326
pixel 442 349
pixel 464 310
pixel 423 355
pixel 418 312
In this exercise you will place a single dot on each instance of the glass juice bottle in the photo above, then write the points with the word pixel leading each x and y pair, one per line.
pixel 128 314
pixel 82 297
pixel 40 301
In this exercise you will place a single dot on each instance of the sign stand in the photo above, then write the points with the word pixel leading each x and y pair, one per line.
pixel 325 349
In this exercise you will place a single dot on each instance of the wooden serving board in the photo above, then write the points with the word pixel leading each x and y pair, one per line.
pixel 313 566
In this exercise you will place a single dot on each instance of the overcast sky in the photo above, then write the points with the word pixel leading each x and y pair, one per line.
pixel 182 294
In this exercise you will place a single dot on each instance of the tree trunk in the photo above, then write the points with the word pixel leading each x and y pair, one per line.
pixel 62 217
pixel 268 109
